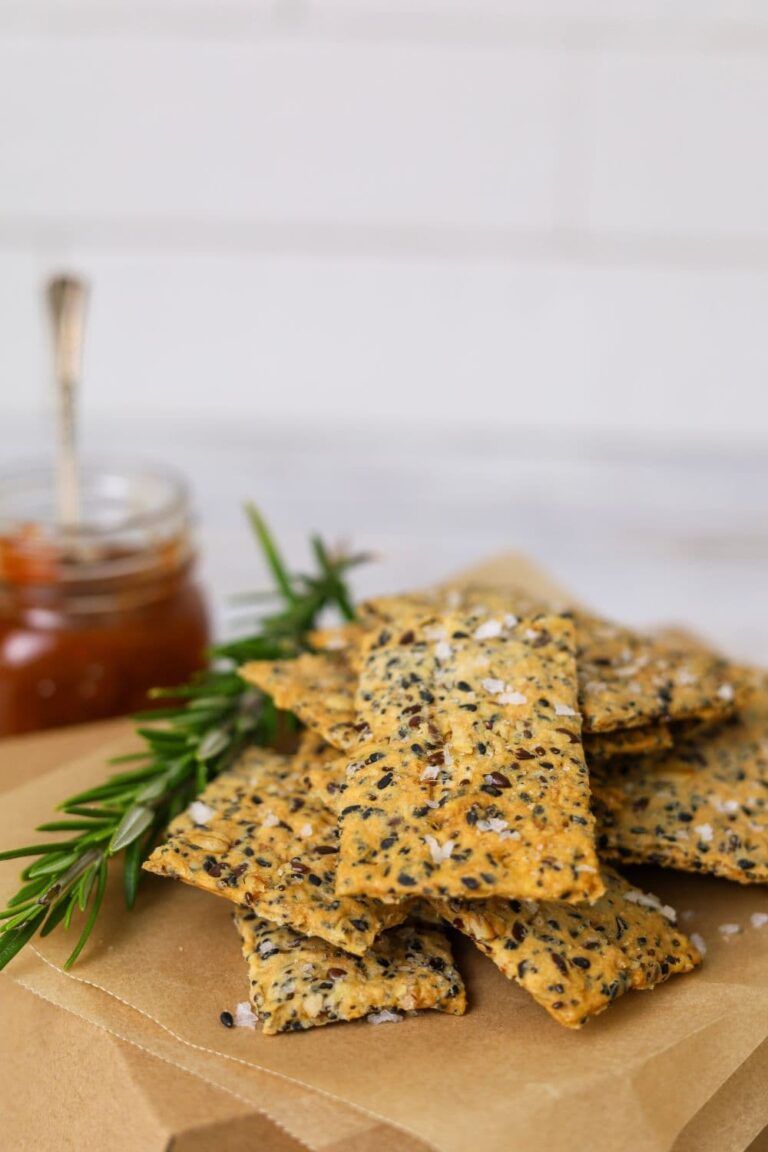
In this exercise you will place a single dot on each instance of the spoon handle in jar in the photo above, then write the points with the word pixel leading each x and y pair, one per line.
pixel 67 299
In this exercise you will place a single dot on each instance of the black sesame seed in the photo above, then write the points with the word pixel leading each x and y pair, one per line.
pixel 227 1019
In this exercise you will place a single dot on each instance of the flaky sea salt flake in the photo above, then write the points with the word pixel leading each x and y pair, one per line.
pixel 199 812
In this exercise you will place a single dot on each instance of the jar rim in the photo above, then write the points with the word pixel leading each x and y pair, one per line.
pixel 136 496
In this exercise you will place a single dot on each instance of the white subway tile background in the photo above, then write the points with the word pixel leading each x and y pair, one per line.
pixel 531 237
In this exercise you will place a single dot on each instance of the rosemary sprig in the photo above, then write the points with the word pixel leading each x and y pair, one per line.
pixel 201 733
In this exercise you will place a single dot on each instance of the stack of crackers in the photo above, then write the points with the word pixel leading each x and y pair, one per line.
pixel 477 760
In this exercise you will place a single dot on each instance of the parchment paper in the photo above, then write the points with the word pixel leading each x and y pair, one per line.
pixel 681 1067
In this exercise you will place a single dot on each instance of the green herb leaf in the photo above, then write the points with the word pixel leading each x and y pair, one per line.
pixel 201 732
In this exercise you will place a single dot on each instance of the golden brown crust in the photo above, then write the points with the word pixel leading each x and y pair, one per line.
pixel 703 807
pixel 256 837
pixel 473 781
pixel 575 960
pixel 299 982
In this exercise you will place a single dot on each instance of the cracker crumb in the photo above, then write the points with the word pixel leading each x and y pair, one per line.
pixel 244 1016
pixel 698 942
pixel 384 1017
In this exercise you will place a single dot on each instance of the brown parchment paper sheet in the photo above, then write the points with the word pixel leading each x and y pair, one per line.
pixel 660 1070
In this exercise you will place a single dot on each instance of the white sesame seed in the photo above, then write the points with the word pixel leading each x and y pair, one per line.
pixel 759 919
pixel 443 651
pixel 704 832
pixel 270 820
pixel 564 710
pixel 725 692
pixel 305 831
pixel 729 929
pixel 431 772
pixel 491 685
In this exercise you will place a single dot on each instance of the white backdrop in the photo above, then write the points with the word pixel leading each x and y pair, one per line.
pixel 534 213
pixel 440 276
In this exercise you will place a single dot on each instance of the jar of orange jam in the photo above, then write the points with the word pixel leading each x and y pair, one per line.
pixel 93 616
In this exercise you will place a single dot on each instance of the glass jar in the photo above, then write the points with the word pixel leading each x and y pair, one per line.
pixel 92 617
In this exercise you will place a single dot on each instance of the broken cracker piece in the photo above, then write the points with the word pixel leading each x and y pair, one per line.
pixel 576 960
pixel 265 843
pixel 299 982
pixel 319 689
pixel 703 807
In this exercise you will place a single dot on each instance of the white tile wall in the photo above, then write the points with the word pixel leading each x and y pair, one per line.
pixel 533 214
pixel 421 341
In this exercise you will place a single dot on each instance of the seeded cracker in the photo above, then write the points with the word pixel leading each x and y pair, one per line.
pixel 627 742
pixel 575 961
pixel 300 982
pixel 473 781
pixel 702 807
pixel 626 679
pixel 263 842
pixel 317 689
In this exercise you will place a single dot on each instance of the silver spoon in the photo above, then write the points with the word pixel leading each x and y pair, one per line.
pixel 67 300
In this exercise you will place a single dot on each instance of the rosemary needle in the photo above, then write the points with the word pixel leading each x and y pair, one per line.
pixel 200 734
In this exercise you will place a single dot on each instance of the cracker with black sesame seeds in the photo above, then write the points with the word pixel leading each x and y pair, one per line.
pixel 263 842
pixel 703 807
pixel 627 742
pixel 626 679
pixel 319 689
pixel 473 782
pixel 299 982
pixel 576 960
